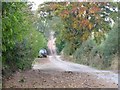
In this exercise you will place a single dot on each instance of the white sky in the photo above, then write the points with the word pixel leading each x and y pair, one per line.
pixel 37 2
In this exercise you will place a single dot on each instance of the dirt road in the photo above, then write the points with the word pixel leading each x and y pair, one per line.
pixel 52 72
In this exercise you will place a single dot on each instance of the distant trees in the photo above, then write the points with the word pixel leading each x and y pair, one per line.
pixel 84 24
pixel 82 20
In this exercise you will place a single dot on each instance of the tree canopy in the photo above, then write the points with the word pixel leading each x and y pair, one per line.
pixel 82 20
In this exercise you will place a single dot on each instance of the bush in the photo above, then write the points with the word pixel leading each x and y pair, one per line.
pixel 20 41
pixel 100 56
pixel 82 54
pixel 68 49
pixel 110 46
pixel 60 46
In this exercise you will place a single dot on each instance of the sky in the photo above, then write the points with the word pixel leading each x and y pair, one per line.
pixel 37 2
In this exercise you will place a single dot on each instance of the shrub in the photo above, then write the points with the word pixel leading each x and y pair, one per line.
pixel 102 55
pixel 20 40
pixel 82 53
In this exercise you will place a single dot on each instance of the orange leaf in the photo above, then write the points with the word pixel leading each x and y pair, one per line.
pixel 82 10
pixel 90 26
pixel 94 9
pixel 84 22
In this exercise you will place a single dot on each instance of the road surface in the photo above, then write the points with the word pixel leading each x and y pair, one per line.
pixel 56 64
pixel 53 72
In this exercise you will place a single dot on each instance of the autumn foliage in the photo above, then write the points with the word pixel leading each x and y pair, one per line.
pixel 82 17
pixel 83 20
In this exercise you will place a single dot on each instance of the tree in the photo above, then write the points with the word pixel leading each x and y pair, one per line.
pixel 82 20
pixel 20 39
pixel 85 19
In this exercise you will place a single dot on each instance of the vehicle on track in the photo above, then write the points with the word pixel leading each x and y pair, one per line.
pixel 42 53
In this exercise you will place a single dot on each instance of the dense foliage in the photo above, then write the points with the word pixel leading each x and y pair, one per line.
pixel 104 54
pixel 21 41
pixel 86 30
pixel 82 20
